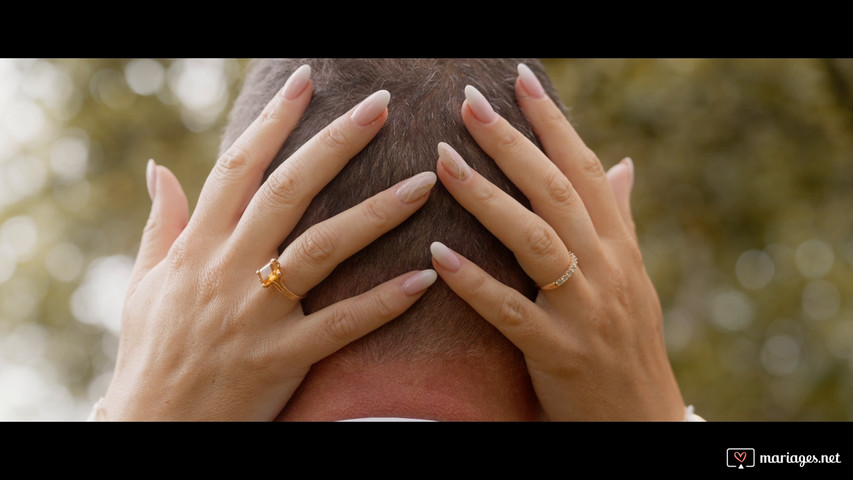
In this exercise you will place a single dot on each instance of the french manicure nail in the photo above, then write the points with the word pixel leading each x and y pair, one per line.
pixel 529 81
pixel 151 178
pixel 479 105
pixel 452 161
pixel 297 82
pixel 419 282
pixel 371 107
pixel 416 187
pixel 445 256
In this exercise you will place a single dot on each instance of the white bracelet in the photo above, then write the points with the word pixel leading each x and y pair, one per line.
pixel 97 414
pixel 689 416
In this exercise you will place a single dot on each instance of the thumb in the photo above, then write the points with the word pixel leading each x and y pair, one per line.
pixel 168 218
pixel 621 178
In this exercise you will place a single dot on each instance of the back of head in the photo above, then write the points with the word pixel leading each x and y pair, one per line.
pixel 426 99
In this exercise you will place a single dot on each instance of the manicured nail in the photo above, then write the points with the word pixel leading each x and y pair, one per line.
pixel 479 105
pixel 452 161
pixel 630 164
pixel 529 81
pixel 297 82
pixel 371 108
pixel 445 256
pixel 416 187
pixel 419 282
pixel 151 178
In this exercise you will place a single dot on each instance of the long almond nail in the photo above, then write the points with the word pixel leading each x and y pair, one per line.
pixel 297 82
pixel 416 187
pixel 419 282
pixel 529 81
pixel 371 108
pixel 452 161
pixel 151 178
pixel 479 105
pixel 445 256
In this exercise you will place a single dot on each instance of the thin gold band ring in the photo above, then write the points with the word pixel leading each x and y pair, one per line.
pixel 566 276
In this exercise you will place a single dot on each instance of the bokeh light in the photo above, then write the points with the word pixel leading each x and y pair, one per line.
pixel 74 137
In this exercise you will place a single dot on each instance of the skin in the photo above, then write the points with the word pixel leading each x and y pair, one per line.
pixel 593 346
pixel 201 341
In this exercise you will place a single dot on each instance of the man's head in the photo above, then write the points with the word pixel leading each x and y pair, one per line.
pixel 426 97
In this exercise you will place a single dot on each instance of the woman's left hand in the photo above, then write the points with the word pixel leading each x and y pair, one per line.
pixel 592 339
pixel 201 338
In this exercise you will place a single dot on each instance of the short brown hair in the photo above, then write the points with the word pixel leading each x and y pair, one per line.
pixel 426 99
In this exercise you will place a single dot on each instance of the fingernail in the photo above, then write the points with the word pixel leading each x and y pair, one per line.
pixel 371 107
pixel 479 105
pixel 630 164
pixel 419 282
pixel 445 256
pixel 452 161
pixel 297 82
pixel 416 187
pixel 151 178
pixel 529 81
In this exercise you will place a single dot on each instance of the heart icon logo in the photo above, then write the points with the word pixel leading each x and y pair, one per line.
pixel 740 456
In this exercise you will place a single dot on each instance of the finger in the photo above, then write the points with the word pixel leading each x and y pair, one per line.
pixel 521 321
pixel 238 172
pixel 315 253
pixel 621 178
pixel 552 196
pixel 564 147
pixel 287 192
pixel 328 330
pixel 168 218
pixel 537 247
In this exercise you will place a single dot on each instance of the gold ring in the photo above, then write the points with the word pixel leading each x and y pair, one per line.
pixel 270 274
pixel 566 276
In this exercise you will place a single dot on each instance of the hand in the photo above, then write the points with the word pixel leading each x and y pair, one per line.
pixel 201 338
pixel 594 345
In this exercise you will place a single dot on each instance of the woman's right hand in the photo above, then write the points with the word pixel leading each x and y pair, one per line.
pixel 201 339
pixel 592 338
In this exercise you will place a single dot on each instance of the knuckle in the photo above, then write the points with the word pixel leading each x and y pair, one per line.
pixel 234 161
pixel 559 189
pixel 152 226
pixel 485 195
pixel 341 325
pixel 554 118
pixel 272 111
pixel 334 137
pixel 511 312
pixel 540 241
pixel 374 212
pixel 475 287
pixel 590 163
pixel 317 245
pixel 179 255
pixel 511 142
pixel 383 305
pixel 282 188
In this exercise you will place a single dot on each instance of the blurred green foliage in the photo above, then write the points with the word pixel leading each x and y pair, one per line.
pixel 742 202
